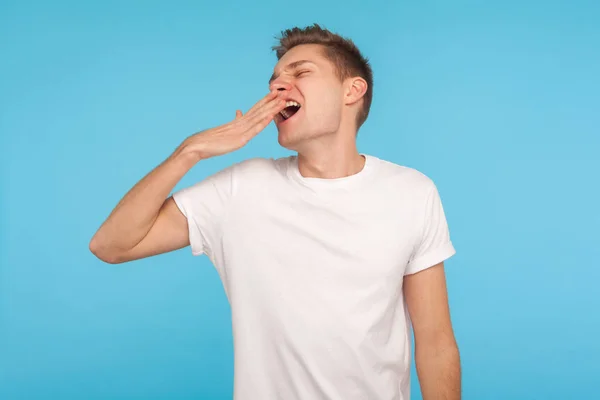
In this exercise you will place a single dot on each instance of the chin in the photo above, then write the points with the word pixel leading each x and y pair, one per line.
pixel 298 140
pixel 288 142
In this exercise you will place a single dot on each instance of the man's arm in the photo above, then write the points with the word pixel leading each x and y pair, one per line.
pixel 143 223
pixel 146 222
pixel 436 352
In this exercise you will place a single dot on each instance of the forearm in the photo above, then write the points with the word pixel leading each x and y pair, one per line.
pixel 438 369
pixel 134 215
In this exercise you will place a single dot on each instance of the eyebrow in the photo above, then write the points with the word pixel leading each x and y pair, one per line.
pixel 293 65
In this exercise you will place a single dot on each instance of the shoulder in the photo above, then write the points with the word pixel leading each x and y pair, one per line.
pixel 259 166
pixel 403 177
pixel 256 171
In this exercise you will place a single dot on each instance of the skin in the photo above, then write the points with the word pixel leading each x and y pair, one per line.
pixel 146 222
pixel 324 131
pixel 437 358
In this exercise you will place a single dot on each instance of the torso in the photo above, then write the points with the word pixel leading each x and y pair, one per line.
pixel 314 278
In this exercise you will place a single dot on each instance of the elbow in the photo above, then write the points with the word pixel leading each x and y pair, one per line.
pixel 437 341
pixel 439 350
pixel 103 253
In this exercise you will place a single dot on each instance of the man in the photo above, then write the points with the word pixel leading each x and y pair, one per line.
pixel 325 255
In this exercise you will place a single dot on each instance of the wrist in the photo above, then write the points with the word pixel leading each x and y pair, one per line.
pixel 185 157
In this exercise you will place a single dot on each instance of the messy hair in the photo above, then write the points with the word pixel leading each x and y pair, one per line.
pixel 342 52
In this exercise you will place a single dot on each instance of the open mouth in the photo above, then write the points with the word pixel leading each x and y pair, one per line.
pixel 291 108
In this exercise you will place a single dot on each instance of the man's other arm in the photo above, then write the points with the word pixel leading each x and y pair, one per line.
pixel 436 352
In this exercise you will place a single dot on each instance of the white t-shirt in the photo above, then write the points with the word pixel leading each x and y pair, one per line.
pixel 313 270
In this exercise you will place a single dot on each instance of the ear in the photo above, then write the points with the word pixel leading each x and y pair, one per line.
pixel 356 88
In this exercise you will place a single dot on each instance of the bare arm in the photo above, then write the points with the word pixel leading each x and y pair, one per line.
pixel 436 352
pixel 146 221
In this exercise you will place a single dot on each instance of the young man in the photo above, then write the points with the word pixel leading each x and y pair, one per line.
pixel 324 256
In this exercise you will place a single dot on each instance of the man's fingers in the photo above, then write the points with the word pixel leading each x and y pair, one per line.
pixel 271 106
pixel 265 100
pixel 259 116
pixel 261 119
pixel 269 109
pixel 271 100
pixel 272 109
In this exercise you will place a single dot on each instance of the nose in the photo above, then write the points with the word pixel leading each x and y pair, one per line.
pixel 280 85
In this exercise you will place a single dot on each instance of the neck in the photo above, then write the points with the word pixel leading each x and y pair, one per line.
pixel 330 157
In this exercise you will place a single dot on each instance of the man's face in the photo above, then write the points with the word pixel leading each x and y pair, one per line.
pixel 307 78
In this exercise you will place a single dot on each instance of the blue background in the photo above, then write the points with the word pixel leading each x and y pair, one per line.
pixel 497 101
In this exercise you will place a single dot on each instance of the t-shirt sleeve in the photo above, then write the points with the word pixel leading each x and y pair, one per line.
pixel 204 204
pixel 434 244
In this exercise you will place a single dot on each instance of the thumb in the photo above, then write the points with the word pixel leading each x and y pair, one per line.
pixel 238 114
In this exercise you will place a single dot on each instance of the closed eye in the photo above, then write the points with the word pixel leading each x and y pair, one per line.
pixel 302 73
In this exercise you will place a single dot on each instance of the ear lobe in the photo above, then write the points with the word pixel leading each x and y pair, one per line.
pixel 356 89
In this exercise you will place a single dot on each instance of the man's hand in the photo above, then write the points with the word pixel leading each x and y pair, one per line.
pixel 235 134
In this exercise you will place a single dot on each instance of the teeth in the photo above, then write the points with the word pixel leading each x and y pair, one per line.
pixel 289 103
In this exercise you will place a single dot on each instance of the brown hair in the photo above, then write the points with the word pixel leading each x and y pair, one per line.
pixel 342 52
